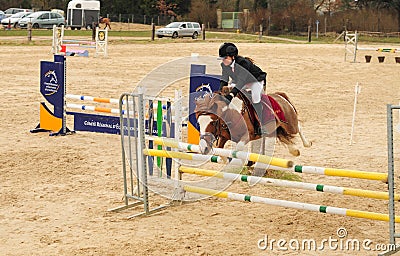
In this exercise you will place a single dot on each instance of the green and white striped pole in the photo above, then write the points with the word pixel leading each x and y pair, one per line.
pixel 291 204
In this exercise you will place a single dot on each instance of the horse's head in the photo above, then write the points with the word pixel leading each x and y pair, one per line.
pixel 209 111
pixel 104 20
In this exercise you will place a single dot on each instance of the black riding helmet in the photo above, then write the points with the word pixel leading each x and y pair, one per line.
pixel 228 49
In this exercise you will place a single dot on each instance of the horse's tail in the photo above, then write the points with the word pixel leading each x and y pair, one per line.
pixel 284 136
pixel 281 133
pixel 284 95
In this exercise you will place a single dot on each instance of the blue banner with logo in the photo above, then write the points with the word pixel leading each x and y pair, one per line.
pixel 200 84
pixel 52 75
pixel 111 124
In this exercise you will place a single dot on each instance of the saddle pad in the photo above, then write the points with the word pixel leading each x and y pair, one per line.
pixel 269 102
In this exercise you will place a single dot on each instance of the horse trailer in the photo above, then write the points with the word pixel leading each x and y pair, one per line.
pixel 82 13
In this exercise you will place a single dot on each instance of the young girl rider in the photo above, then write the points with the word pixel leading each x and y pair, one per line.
pixel 244 74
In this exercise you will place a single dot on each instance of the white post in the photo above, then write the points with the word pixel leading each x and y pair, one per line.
pixel 101 41
pixel 357 90
pixel 178 130
pixel 58 36
pixel 398 125
pixel 350 45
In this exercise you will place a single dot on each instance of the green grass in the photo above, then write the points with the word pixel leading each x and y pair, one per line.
pixel 386 40
pixel 331 37
pixel 80 33
pixel 274 174
pixel 24 32
pixel 145 36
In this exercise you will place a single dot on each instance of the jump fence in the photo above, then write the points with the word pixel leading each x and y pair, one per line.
pixel 352 46
pixel 79 47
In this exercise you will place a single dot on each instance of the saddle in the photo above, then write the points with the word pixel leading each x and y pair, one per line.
pixel 272 111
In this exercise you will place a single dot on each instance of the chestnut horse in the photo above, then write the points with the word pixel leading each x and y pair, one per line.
pixel 223 123
pixel 105 21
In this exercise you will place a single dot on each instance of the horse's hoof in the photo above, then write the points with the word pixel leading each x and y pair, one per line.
pixel 295 152
pixel 224 159
pixel 240 146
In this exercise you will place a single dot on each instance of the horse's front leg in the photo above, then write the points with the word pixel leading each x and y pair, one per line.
pixel 221 141
pixel 240 146
pixel 293 150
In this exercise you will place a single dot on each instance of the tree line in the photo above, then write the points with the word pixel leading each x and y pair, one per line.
pixel 275 15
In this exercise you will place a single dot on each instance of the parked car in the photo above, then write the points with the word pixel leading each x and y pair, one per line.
pixel 13 19
pixel 42 19
pixel 11 11
pixel 180 29
pixel 2 15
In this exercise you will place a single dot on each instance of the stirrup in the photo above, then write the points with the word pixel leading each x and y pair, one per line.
pixel 258 131
pixel 261 132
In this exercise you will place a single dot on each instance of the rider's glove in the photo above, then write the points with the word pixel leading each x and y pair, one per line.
pixel 229 97
pixel 222 84
pixel 232 94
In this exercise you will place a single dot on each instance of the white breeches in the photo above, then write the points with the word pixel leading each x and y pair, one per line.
pixel 256 91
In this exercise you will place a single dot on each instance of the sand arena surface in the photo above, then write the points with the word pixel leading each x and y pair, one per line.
pixel 55 191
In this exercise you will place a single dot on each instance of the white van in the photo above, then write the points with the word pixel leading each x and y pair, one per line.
pixel 82 13
pixel 11 11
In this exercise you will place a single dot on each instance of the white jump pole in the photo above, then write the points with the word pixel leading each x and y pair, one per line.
pixel 357 90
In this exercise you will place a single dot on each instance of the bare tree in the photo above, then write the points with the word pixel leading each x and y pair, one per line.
pixel 203 12
pixel 167 9
pixel 391 4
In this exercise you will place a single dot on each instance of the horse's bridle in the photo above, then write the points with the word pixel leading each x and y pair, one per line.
pixel 219 126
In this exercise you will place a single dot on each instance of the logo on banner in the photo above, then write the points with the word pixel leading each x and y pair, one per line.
pixel 50 83
pixel 102 36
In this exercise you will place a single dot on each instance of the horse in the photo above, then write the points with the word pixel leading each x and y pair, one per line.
pixel 223 123
pixel 106 21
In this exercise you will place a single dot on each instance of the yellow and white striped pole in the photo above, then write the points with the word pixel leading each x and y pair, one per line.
pixel 341 172
pixel 290 184
pixel 182 155
pixel 226 152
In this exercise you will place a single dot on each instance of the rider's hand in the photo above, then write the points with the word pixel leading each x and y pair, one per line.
pixel 229 97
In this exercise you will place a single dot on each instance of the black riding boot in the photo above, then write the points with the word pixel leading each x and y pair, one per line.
pixel 258 108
